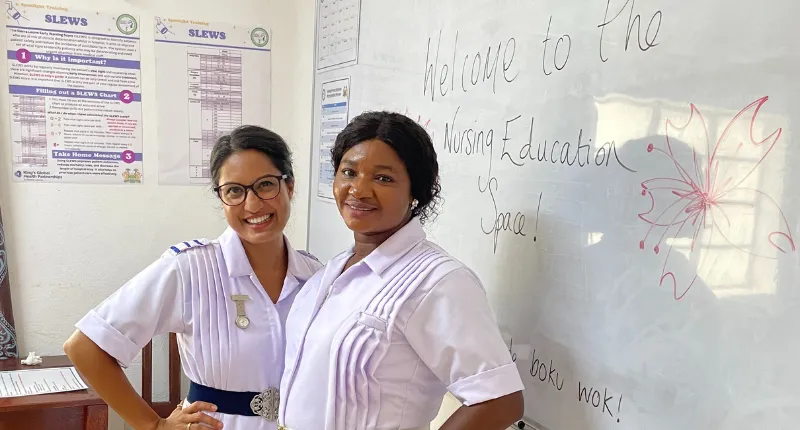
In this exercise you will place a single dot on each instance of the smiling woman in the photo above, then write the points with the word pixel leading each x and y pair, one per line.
pixel 227 300
pixel 373 198
pixel 375 166
pixel 253 176
pixel 376 339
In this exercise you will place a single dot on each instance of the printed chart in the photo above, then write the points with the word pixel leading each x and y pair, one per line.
pixel 74 84
pixel 30 382
pixel 337 33
pixel 224 83
pixel 335 111
pixel 215 102
pixel 29 117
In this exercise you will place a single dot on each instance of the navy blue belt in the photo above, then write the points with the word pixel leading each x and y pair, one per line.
pixel 246 403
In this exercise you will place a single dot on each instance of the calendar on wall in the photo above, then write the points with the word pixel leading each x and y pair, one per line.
pixel 337 33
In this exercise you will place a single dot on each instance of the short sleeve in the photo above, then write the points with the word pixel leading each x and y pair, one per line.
pixel 150 304
pixel 455 333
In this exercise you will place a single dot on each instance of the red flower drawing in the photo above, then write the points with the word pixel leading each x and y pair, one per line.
pixel 712 196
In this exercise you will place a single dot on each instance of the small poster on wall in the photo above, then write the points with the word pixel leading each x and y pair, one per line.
pixel 210 78
pixel 334 114
pixel 337 33
pixel 74 81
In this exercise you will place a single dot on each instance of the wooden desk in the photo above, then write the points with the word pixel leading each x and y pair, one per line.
pixel 83 410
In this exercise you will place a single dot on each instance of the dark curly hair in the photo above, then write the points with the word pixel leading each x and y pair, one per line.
pixel 254 137
pixel 411 143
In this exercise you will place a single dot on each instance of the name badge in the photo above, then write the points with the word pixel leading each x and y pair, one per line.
pixel 241 317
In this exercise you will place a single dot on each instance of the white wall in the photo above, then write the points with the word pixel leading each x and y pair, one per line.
pixel 293 83
pixel 449 406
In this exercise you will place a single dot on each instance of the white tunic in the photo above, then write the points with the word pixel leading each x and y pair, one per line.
pixel 188 291
pixel 378 346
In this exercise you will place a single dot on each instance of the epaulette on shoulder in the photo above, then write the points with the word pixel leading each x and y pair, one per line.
pixel 183 246
pixel 309 255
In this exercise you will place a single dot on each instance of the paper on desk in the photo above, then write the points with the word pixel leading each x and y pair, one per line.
pixel 16 383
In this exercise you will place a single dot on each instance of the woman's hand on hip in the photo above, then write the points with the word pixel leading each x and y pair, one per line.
pixel 190 417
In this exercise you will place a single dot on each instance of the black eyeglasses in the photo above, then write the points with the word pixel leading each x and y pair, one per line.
pixel 266 187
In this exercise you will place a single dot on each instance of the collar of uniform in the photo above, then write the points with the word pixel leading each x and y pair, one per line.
pixel 395 246
pixel 298 265
pixel 295 270
pixel 238 265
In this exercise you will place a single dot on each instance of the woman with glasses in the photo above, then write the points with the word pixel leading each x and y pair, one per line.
pixel 226 299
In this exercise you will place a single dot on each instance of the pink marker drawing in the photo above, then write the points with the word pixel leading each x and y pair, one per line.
pixel 425 122
pixel 697 200
pixel 419 119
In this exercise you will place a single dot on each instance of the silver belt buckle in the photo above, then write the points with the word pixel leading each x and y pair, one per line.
pixel 266 404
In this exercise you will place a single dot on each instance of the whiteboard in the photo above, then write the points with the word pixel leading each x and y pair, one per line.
pixel 619 174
